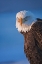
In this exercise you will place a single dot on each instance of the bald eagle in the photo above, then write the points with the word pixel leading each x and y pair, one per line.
pixel 31 28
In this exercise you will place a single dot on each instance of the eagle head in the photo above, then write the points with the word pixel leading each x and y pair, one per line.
pixel 24 21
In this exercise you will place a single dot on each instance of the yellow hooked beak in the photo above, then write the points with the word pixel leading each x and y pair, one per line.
pixel 20 21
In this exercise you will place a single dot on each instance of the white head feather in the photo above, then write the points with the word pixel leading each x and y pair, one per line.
pixel 26 24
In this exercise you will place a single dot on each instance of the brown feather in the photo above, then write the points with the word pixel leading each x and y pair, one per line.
pixel 33 43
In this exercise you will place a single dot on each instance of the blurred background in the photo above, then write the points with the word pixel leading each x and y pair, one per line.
pixel 11 41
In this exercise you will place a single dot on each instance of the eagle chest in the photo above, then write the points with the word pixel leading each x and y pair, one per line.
pixel 29 41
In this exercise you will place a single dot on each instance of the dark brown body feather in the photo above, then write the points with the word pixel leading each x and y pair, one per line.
pixel 33 43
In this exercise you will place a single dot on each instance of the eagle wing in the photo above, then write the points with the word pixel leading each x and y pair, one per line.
pixel 37 31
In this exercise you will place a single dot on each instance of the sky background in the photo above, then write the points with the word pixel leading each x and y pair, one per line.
pixel 17 5
pixel 11 41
